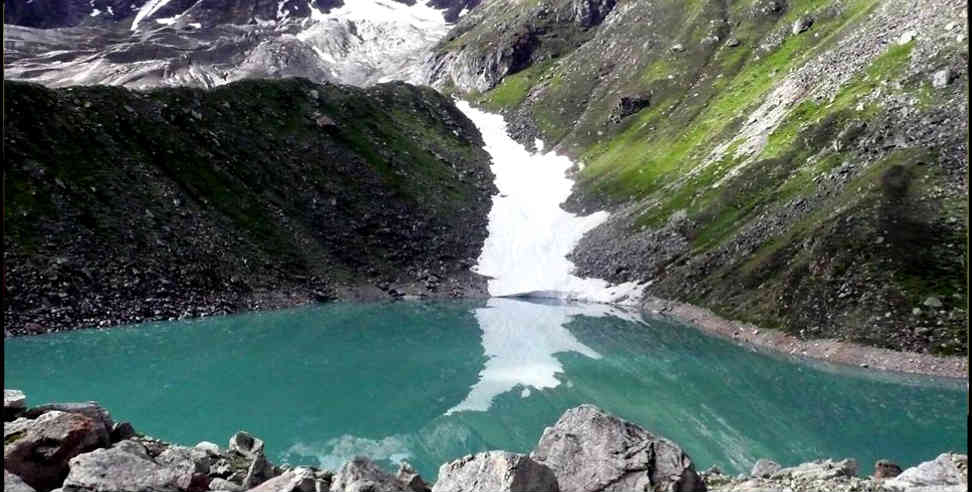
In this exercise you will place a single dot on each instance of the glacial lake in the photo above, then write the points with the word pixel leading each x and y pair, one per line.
pixel 429 382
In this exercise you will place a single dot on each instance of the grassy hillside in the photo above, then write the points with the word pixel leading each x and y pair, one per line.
pixel 798 164
pixel 126 206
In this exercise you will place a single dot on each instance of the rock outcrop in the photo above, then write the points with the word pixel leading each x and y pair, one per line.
pixel 498 471
pixel 38 450
pixel 948 471
pixel 589 450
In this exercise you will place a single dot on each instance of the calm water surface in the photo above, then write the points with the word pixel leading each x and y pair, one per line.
pixel 431 381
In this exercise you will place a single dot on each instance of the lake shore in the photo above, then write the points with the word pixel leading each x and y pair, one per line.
pixel 828 350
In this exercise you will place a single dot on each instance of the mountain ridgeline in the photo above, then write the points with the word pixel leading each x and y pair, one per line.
pixel 797 164
pixel 124 206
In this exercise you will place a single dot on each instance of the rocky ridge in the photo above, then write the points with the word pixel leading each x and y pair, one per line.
pixel 799 165
pixel 125 206
pixel 77 447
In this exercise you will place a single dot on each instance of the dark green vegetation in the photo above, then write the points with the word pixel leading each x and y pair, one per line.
pixel 791 163
pixel 124 206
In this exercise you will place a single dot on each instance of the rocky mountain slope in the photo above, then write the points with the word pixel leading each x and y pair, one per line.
pixel 797 164
pixel 123 206
pixel 205 43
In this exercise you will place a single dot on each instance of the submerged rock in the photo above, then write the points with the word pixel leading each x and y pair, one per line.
pixel 590 450
pixel 38 450
pixel 495 471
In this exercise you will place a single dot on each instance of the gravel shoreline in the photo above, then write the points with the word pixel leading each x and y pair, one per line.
pixel 829 350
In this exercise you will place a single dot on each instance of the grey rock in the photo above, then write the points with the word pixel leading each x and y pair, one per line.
pixel 802 24
pixel 946 470
pixel 590 450
pixel 677 48
pixel 732 42
pixel 242 442
pixel 13 483
pixel 186 459
pixel 942 78
pixel 260 471
pixel 498 471
pixel 819 470
pixel 133 447
pixel 589 13
pixel 121 431
pixel 14 403
pixel 90 409
pixel 208 447
pixel 360 475
pixel 38 450
pixel 765 468
pixel 222 484
pixel 105 470
pixel 886 469
pixel 933 302
pixel 297 480
pixel 412 480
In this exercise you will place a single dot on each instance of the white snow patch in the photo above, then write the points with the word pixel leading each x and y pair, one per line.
pixel 529 235
pixel 147 10
pixel 195 25
pixel 524 355
pixel 167 21
pixel 95 13
pixel 110 11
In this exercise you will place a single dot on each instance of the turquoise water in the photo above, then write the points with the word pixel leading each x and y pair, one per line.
pixel 432 381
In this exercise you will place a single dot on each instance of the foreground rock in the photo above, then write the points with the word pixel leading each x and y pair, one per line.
pixel 116 469
pixel 590 450
pixel 497 471
pixel 38 450
pixel 947 470
pixel 586 450
pixel 947 473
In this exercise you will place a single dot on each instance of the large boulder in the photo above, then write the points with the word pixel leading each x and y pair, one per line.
pixel 91 409
pixel 117 470
pixel 947 470
pixel 247 445
pixel 590 450
pixel 495 471
pixel 13 483
pixel 38 450
pixel 187 459
pixel 14 404
pixel 360 475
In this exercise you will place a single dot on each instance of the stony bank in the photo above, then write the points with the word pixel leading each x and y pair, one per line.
pixel 78 447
